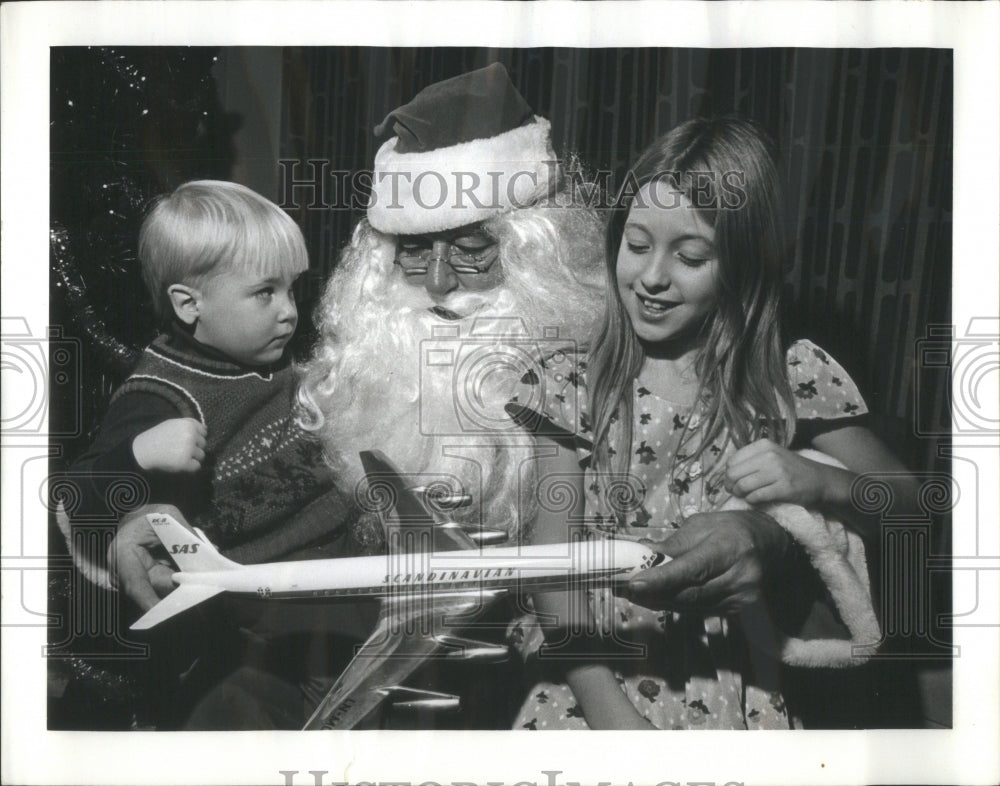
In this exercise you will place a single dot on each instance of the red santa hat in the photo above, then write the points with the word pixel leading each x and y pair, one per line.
pixel 463 150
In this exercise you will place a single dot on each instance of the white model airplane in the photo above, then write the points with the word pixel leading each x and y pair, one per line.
pixel 424 592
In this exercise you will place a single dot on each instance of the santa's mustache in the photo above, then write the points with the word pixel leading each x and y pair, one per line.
pixel 429 391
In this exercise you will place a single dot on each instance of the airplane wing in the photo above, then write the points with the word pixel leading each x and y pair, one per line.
pixel 409 631
pixel 417 509
pixel 411 627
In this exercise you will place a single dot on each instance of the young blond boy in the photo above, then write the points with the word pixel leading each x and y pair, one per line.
pixel 207 419
pixel 207 423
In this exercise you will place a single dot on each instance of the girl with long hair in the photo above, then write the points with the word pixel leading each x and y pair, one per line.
pixel 682 416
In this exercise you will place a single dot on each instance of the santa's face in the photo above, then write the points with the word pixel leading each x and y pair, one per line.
pixel 385 306
pixel 489 293
pixel 445 263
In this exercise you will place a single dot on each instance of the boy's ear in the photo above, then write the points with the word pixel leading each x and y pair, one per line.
pixel 185 300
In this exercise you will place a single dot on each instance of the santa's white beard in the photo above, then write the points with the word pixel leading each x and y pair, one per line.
pixel 430 392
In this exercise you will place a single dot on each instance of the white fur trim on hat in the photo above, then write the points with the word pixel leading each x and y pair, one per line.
pixel 435 190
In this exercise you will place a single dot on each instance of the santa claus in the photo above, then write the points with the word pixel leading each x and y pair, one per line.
pixel 477 261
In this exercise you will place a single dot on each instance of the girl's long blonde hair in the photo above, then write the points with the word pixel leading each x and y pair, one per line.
pixel 740 365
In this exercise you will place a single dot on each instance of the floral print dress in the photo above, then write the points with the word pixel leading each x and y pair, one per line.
pixel 695 672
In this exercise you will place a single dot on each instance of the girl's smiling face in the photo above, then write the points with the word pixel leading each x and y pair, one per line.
pixel 667 265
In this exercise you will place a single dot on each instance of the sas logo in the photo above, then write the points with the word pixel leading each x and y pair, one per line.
pixel 187 548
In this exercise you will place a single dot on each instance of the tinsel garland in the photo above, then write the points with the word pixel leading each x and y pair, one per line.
pixel 106 682
pixel 126 125
pixel 68 282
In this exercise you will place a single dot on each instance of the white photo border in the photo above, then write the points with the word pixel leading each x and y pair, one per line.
pixel 965 754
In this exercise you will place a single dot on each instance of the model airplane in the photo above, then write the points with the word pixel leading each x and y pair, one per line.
pixel 424 592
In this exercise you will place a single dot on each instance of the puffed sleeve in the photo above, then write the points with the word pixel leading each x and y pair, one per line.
pixel 820 386
pixel 551 399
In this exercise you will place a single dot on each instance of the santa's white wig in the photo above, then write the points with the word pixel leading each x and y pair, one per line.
pixel 369 385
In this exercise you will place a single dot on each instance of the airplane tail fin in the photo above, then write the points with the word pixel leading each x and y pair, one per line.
pixel 193 553
pixel 188 547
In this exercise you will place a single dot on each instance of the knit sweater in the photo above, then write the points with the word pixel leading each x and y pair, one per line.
pixel 263 492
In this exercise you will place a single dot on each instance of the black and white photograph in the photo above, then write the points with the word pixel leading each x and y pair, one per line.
pixel 380 379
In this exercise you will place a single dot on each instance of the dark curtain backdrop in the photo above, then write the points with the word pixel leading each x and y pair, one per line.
pixel 865 156
pixel 864 141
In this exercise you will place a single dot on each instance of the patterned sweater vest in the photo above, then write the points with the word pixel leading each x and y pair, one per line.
pixel 263 468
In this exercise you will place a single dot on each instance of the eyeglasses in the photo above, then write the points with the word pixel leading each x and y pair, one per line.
pixel 466 255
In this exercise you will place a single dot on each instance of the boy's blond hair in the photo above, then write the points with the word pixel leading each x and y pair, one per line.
pixel 207 226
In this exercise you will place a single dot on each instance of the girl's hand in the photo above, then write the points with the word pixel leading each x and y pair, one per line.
pixel 175 445
pixel 763 471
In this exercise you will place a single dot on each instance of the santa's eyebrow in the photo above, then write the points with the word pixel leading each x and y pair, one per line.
pixel 477 233
pixel 482 240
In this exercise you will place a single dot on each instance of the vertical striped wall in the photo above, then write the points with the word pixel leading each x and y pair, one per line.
pixel 864 140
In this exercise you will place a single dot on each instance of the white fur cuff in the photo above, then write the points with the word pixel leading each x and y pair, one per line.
pixel 838 556
pixel 94 571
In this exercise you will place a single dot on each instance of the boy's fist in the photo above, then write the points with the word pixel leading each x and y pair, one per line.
pixel 175 445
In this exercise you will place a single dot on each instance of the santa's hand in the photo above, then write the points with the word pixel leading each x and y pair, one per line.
pixel 766 472
pixel 143 577
pixel 719 562
pixel 175 445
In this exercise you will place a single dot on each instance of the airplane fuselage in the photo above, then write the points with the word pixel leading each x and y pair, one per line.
pixel 524 567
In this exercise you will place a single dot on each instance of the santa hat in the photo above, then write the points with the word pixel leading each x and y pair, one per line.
pixel 462 150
